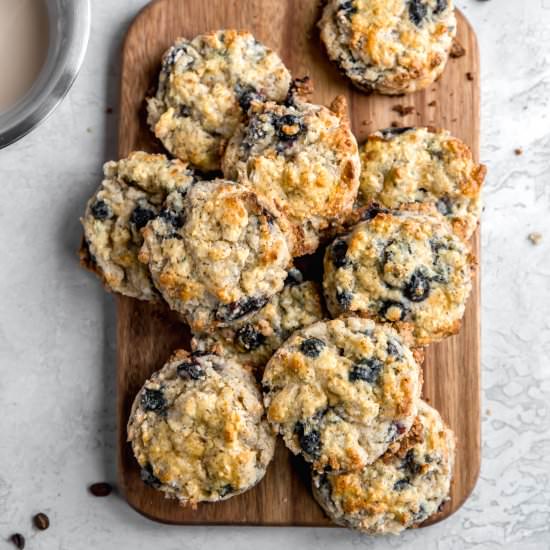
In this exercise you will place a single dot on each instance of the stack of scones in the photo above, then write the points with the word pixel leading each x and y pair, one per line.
pixel 254 177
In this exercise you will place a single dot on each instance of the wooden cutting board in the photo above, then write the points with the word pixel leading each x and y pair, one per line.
pixel 148 334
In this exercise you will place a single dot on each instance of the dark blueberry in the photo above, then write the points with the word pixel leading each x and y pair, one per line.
pixel 249 338
pixel 100 210
pixel 153 400
pixel 173 55
pixel 199 175
pixel 299 87
pixel 410 465
pixel 226 490
pixel 254 132
pixel 310 441
pixel 344 298
pixel 189 370
pixel 389 304
pixel 141 216
pixel 269 217
pixel 396 429
pixel 246 94
pixel 417 11
pixel 289 127
pixel 421 515
pixel 171 217
pixel 149 478
pixel 312 347
pixel 400 484
pixel 444 205
pixel 428 459
pixel 294 277
pixel 367 370
pixel 441 6
pixel 394 348
pixel 418 287
pixel 185 111
pixel 200 353
pixel 240 308
pixel 372 211
pixel 348 8
pixel 440 507
pixel 390 133
pixel 338 252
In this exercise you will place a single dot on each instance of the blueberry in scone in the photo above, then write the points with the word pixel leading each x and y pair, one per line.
pixel 421 165
pixel 303 159
pixel 403 267
pixel 130 195
pixel 216 254
pixel 341 392
pixel 401 489
pixel 389 46
pixel 206 86
pixel 253 341
pixel 198 429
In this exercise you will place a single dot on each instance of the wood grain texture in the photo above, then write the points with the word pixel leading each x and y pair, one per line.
pixel 148 334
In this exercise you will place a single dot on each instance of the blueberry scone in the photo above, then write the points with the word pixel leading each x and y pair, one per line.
pixel 198 429
pixel 130 195
pixel 303 158
pixel 401 489
pixel 216 254
pixel 404 267
pixel 205 86
pixel 340 392
pixel 389 46
pixel 253 341
pixel 400 166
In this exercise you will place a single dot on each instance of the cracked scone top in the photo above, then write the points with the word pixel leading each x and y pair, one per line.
pixel 253 341
pixel 303 158
pixel 389 46
pixel 340 392
pixel 404 267
pixel 205 86
pixel 198 429
pixel 130 195
pixel 402 488
pixel 216 253
pixel 400 166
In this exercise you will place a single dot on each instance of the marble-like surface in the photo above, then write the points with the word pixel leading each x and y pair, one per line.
pixel 57 428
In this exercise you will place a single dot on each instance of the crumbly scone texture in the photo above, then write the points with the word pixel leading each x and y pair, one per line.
pixel 216 254
pixel 389 46
pixel 400 166
pixel 401 489
pixel 206 86
pixel 252 342
pixel 131 194
pixel 304 159
pixel 403 267
pixel 341 391
pixel 198 429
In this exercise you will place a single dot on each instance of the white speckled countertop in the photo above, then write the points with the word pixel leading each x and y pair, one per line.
pixel 57 388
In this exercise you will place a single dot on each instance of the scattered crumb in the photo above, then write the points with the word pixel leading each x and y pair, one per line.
pixel 109 110
pixel 366 122
pixel 518 151
pixel 454 119
pixel 394 124
pixel 427 399
pixel 89 130
pixel 469 76
pixel 432 103
pixel 488 412
pixel 457 50
pixel 402 110
pixel 535 237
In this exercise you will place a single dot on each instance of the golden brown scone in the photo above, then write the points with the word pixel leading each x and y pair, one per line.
pixel 403 267
pixel 401 489
pixel 400 166
pixel 198 429
pixel 253 341
pixel 206 86
pixel 217 253
pixel 303 159
pixel 131 194
pixel 389 46
pixel 340 392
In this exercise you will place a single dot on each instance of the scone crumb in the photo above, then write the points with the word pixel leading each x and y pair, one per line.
pixel 432 103
pixel 488 412
pixel 469 76
pixel 535 237
pixel 403 110
pixel 457 49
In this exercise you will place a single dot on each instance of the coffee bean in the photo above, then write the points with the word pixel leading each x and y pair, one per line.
pixel 100 489
pixel 18 540
pixel 41 521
